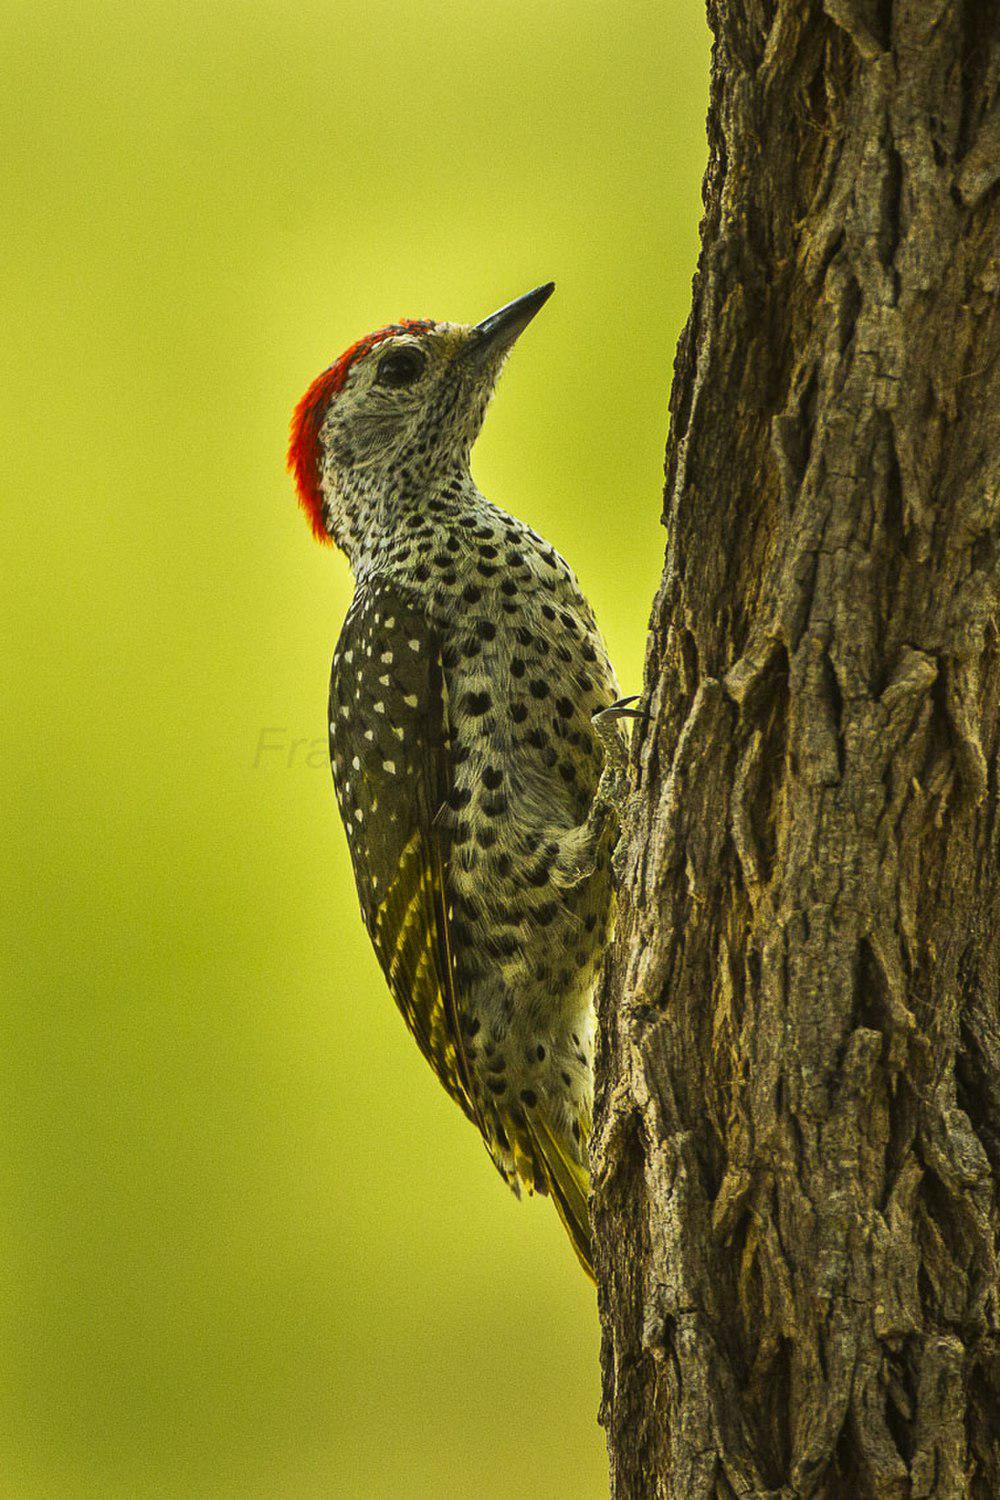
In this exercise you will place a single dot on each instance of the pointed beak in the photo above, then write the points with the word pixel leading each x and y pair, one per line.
pixel 495 334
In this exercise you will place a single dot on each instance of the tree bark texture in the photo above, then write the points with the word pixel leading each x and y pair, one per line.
pixel 797 1138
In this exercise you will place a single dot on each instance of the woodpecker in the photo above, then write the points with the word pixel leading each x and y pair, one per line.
pixel 467 743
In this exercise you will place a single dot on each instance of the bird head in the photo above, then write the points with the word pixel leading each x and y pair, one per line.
pixel 409 396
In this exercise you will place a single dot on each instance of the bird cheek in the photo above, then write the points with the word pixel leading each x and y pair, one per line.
pixel 370 438
pixel 341 451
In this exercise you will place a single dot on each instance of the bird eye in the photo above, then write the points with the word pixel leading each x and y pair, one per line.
pixel 400 367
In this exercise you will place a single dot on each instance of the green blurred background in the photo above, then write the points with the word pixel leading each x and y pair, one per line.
pixel 249 1247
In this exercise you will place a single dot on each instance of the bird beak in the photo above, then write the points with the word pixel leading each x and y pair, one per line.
pixel 495 334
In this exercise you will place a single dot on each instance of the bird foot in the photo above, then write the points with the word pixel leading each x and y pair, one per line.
pixel 614 788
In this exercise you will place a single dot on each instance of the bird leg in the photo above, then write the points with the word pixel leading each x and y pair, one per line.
pixel 579 847
pixel 614 788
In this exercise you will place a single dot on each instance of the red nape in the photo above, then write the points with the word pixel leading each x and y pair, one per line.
pixel 304 456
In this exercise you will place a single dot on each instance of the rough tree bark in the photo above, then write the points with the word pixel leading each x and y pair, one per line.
pixel 797 1141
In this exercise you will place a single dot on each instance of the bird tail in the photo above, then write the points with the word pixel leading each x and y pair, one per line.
pixel 568 1183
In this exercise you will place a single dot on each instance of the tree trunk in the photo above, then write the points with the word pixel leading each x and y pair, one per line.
pixel 797 1138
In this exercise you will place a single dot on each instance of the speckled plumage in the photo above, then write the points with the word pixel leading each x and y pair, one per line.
pixel 464 758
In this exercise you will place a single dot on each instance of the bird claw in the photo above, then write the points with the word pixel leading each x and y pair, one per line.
pixel 614 787
pixel 620 710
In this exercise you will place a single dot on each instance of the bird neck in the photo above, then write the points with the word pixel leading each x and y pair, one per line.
pixel 378 519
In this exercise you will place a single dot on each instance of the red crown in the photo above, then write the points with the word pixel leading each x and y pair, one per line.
pixel 304 455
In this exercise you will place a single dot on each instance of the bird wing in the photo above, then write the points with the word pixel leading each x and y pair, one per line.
pixel 389 748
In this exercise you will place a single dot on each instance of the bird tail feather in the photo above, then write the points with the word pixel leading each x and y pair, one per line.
pixel 568 1183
